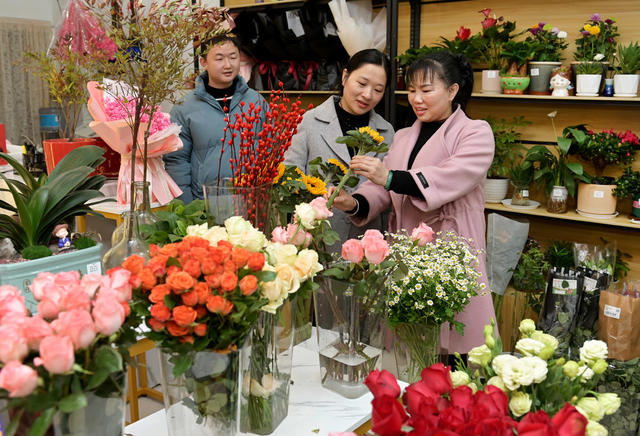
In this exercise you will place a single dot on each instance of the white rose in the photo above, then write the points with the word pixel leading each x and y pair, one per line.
pixel 598 57
pixel 306 215
pixel 520 403
pixel 537 366
pixel 289 277
pixel 592 351
pixel 596 429
pixel 562 34
pixel 197 230
pixel 271 290
pixel 527 326
pixel 480 355
pixel 273 306
pixel 500 361
pixel 307 264
pixel 243 234
pixel 609 402
pixel 497 382
pixel 281 253
pixel 236 226
pixel 460 378
pixel 216 234
pixel 590 408
pixel 529 347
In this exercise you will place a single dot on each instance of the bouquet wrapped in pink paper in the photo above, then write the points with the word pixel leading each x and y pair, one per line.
pixel 111 104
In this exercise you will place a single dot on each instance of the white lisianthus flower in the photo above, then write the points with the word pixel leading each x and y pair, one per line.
pixel 306 215
pixel 562 34
pixel 527 326
pixel 529 347
pixel 460 378
pixel 537 366
pixel 571 369
pixel 590 407
pixel 520 403
pixel 592 351
pixel 197 230
pixel 596 429
pixel 500 361
pixel 307 264
pixel 610 403
pixel 546 339
pixel 586 373
pixel 497 382
pixel 598 57
pixel 216 234
pixel 480 355
pixel 281 253
pixel 473 386
pixel 516 373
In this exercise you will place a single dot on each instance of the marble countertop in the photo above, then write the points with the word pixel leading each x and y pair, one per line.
pixel 313 410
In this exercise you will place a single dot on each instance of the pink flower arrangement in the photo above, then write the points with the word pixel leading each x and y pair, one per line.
pixel 372 246
pixel 122 110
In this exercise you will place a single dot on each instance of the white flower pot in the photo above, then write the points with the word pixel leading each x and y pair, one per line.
pixel 495 190
pixel 491 82
pixel 588 85
pixel 625 85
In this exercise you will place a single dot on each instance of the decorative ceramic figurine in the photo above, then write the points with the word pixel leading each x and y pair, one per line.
pixel 560 82
pixel 62 233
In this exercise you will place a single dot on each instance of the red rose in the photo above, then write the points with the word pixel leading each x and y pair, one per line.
pixel 228 281
pixel 190 298
pixel 240 256
pixel 387 416
pixel 200 329
pixel 485 12
pixel 536 424
pixel 498 426
pixel 203 292
pixel 255 262
pixel 147 278
pixel 248 284
pixel 438 378
pixel 158 292
pixel 133 263
pixel 160 311
pixel 453 418
pixel 569 422
pixel 176 330
pixel 462 397
pixel 192 267
pixel 418 393
pixel 180 281
pixel 184 316
pixel 156 326
pixel 382 383
pixel 490 403
pixel 488 23
pixel 463 33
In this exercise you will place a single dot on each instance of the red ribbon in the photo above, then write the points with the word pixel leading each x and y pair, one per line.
pixel 264 67
pixel 311 67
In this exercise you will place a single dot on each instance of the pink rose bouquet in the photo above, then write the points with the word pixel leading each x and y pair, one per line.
pixel 74 345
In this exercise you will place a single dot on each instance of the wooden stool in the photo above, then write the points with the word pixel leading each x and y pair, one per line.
pixel 136 390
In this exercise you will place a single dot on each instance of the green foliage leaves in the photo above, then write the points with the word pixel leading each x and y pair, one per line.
pixel 508 149
pixel 172 223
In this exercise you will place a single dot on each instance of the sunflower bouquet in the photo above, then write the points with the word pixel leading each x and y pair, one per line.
pixel 292 186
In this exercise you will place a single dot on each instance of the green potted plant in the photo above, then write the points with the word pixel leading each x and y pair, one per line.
pixel 628 186
pixel 40 205
pixel 596 43
pixel 555 172
pixel 463 43
pixel 508 149
pixel 488 46
pixel 589 76
pixel 549 43
pixel 560 254
pixel 516 54
pixel 521 176
pixel 626 65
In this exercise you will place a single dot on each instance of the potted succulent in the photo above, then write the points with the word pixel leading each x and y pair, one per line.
pixel 628 186
pixel 508 149
pixel 626 66
pixel 488 46
pixel 521 176
pixel 42 204
pixel 555 172
pixel 515 54
pixel 549 43
pixel 589 77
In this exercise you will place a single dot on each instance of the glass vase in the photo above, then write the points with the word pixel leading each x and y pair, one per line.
pixel 415 348
pixel 520 196
pixel 266 371
pixel 349 332
pixel 302 308
pixel 224 199
pixel 557 201
pixel 202 401
pixel 103 416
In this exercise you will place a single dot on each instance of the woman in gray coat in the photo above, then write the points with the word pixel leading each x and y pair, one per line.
pixel 364 80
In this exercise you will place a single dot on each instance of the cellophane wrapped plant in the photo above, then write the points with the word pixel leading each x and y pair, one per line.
pixel 431 282
pixel 597 37
pixel 537 382
pixel 73 348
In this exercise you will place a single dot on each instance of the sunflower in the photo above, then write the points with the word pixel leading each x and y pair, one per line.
pixel 301 174
pixel 281 169
pixel 339 164
pixel 374 135
pixel 315 185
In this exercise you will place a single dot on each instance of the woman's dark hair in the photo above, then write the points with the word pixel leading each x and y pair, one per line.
pixel 367 56
pixel 205 46
pixel 449 67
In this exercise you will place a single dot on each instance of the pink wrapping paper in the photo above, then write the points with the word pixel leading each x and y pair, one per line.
pixel 117 134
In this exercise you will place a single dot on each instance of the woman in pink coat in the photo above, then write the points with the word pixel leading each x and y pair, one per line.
pixel 434 173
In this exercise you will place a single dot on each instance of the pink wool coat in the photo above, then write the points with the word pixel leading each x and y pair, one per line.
pixel 449 170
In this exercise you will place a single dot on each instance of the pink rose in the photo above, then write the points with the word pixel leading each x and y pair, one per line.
pixel 56 354
pixel 13 345
pixel 108 313
pixel 297 236
pixel 279 234
pixel 11 302
pixel 423 234
pixel 372 234
pixel 319 204
pixel 375 250
pixel 120 283
pixel 34 330
pixel 67 279
pixel 91 283
pixel 75 298
pixel 20 380
pixel 76 324
pixel 41 281
pixel 352 251
pixel 50 303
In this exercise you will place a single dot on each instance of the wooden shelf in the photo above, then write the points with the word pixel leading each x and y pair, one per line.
pixel 266 5
pixel 572 215
pixel 571 98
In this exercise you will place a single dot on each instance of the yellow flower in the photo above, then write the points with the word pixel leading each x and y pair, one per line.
pixel 301 174
pixel 281 168
pixel 339 164
pixel 587 27
pixel 374 135
pixel 315 185
pixel 594 30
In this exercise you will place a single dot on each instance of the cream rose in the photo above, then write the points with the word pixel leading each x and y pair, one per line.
pixel 529 347
pixel 243 234
pixel 590 407
pixel 281 253
pixel 197 230
pixel 307 264
pixel 216 234
pixel 592 351
pixel 460 378
pixel 306 215
pixel 480 355
pixel 520 403
pixel 609 402
pixel 289 278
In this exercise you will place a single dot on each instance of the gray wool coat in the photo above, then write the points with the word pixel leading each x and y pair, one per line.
pixel 316 138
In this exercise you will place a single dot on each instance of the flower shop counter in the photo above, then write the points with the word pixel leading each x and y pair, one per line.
pixel 312 408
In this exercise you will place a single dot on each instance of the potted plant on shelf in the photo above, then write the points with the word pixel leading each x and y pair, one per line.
pixel 521 176
pixel 42 204
pixel 601 149
pixel 508 149
pixel 589 77
pixel 516 54
pixel 626 65
pixel 488 45
pixel 549 43
pixel 597 42
pixel 554 170
pixel 628 186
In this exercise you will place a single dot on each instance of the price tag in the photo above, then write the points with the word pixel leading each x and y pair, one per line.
pixel 525 192
pixel 612 311
pixel 535 71
pixel 294 23
pixel 557 192
pixel 590 284
pixel 94 268
pixel 491 74
pixel 598 194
